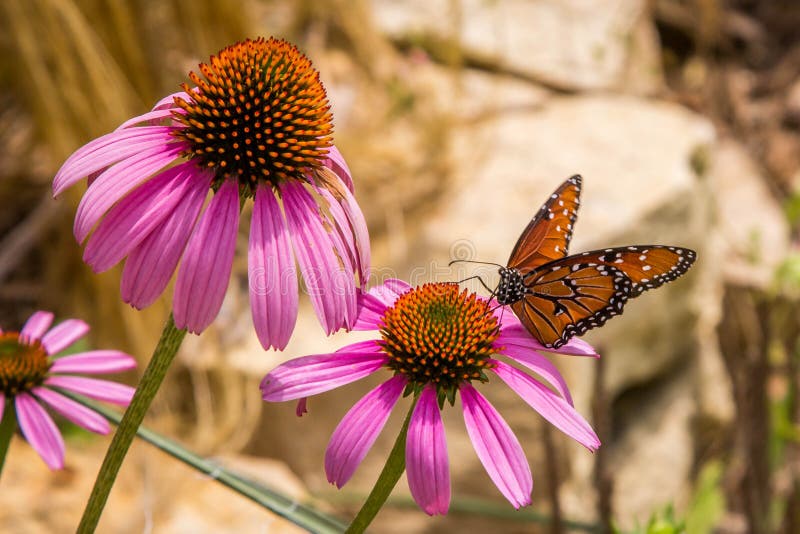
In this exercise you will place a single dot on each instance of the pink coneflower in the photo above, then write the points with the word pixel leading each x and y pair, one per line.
pixel 30 378
pixel 436 340
pixel 255 125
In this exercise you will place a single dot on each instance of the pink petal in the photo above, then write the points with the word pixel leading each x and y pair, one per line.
pixel 498 448
pixel 150 265
pixel 390 290
pixel 370 312
pixel 516 334
pixel 106 150
pixel 169 100
pixel 372 346
pixel 328 285
pixel 309 375
pixel 2 404
pixel 77 413
pixel 132 219
pixel 94 362
pixel 36 326
pixel 541 366
pixel 206 267
pixel 427 466
pixel 335 162
pixel 94 388
pixel 359 429
pixel 552 407
pixel 117 181
pixel 40 430
pixel 63 335
pixel 271 273
pixel 151 118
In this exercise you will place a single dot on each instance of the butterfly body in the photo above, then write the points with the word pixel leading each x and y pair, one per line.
pixel 557 296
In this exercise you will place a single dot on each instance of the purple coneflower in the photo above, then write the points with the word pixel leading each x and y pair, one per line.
pixel 256 125
pixel 30 378
pixel 436 340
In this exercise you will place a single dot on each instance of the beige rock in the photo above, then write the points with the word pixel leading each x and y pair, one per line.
pixel 657 449
pixel 574 44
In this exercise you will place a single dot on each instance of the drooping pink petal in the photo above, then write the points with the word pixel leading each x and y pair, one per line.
pixel 150 265
pixel 106 150
pixel 335 162
pixel 36 325
pixel 117 181
pixel 497 447
pixel 358 225
pixel 358 430
pixel 427 465
pixel 370 312
pixel 328 285
pixel 302 407
pixel 309 375
pixel 2 404
pixel 517 335
pixel 271 272
pixel 552 407
pixel 134 217
pixel 40 430
pixel 63 335
pixel 94 388
pixel 541 366
pixel 94 362
pixel 206 267
pixel 341 238
pixel 77 413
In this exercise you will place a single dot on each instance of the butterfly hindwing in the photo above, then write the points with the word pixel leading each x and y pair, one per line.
pixel 568 297
pixel 648 266
pixel 547 236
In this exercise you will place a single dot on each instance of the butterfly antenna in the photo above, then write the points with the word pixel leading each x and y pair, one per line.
pixel 473 261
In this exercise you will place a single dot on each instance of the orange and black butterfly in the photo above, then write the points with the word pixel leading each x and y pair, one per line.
pixel 556 296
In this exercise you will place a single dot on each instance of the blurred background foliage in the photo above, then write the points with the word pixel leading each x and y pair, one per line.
pixel 72 70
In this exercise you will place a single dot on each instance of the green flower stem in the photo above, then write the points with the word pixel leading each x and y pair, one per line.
pixel 392 471
pixel 163 355
pixel 7 427
pixel 303 516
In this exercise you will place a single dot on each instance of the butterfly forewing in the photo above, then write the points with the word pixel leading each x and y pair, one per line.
pixel 547 236
pixel 648 266
pixel 569 296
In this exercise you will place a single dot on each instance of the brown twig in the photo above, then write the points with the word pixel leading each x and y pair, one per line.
pixel 15 246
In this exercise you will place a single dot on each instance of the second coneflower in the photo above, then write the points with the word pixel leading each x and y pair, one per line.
pixel 256 124
pixel 436 341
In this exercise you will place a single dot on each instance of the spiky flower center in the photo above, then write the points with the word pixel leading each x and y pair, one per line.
pixel 23 365
pixel 438 334
pixel 259 114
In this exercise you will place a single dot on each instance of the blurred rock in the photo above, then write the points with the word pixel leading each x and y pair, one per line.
pixel 751 222
pixel 658 449
pixel 154 492
pixel 573 45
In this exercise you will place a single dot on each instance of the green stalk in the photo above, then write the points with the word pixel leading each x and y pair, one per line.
pixel 303 516
pixel 391 473
pixel 7 427
pixel 163 355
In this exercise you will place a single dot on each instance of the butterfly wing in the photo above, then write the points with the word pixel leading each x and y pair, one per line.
pixel 648 266
pixel 568 297
pixel 547 236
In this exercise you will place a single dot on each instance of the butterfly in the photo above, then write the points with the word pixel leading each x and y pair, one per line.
pixel 557 296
